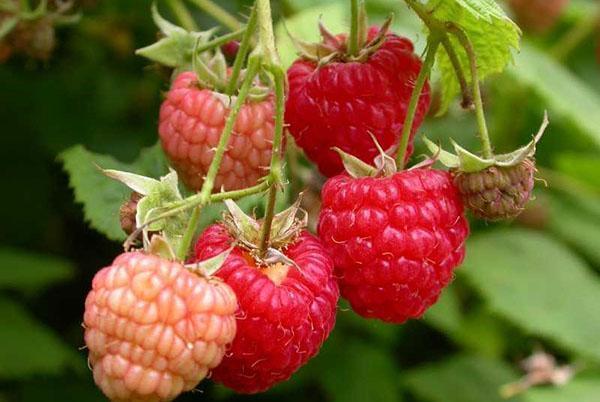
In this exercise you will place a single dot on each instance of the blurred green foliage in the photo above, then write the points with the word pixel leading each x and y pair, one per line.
pixel 533 282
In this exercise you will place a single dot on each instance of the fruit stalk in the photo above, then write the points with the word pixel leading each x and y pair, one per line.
pixel 432 46
pixel 353 40
pixel 266 45
pixel 218 13
pixel 182 14
pixel 242 52
pixel 483 131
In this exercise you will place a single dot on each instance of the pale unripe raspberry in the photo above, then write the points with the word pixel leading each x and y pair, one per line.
pixel 154 329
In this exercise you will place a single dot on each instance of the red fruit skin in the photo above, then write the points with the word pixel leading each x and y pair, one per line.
pixel 280 326
pixel 342 104
pixel 395 241
pixel 191 122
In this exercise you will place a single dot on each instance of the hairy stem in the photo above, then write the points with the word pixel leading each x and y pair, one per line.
pixel 182 14
pixel 353 40
pixel 266 37
pixel 240 57
pixel 218 13
pixel 432 47
pixel 481 123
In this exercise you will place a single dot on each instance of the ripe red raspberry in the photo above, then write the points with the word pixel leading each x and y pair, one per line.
pixel 285 312
pixel 538 15
pixel 340 104
pixel 497 193
pixel 154 329
pixel 191 122
pixel 395 240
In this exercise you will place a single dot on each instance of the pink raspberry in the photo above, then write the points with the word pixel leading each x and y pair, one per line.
pixel 154 329
pixel 191 122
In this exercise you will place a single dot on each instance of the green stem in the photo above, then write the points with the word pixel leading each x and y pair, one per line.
pixel 432 47
pixel 183 15
pixel 266 37
pixel 276 170
pixel 218 13
pixel 467 100
pixel 221 40
pixel 207 186
pixel 573 38
pixel 188 235
pixel 240 57
pixel 483 130
pixel 353 44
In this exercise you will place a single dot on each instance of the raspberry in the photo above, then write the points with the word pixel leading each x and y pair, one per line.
pixel 497 192
pixel 154 329
pixel 285 312
pixel 538 15
pixel 340 104
pixel 395 240
pixel 191 122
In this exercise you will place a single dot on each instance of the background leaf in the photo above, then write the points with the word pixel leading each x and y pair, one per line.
pixel 101 196
pixel 26 271
pixel 29 348
pixel 538 284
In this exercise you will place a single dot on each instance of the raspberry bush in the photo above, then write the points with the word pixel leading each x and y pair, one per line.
pixel 340 204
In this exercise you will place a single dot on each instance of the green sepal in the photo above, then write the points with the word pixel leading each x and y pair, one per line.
pixel 468 162
pixel 285 228
pixel 355 166
pixel 156 195
pixel 160 247
pixel 210 266
pixel 176 49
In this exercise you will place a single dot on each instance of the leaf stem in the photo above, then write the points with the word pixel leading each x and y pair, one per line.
pixel 218 13
pixel 183 15
pixel 483 130
pixel 240 57
pixel 432 46
pixel 353 40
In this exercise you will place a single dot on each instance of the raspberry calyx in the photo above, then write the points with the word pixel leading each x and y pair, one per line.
pixel 495 188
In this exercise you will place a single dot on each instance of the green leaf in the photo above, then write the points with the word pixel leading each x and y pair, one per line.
pixel 102 197
pixel 462 378
pixel 578 390
pixel 28 347
pixel 566 96
pixel 575 225
pixel 351 369
pixel 580 167
pixel 538 284
pixel 493 35
pixel 27 271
